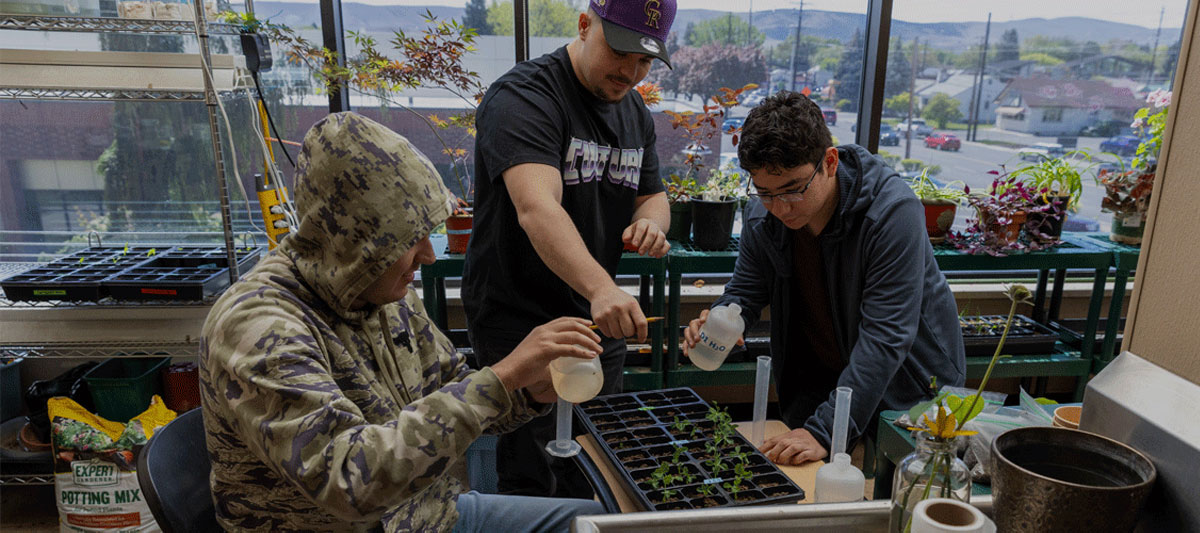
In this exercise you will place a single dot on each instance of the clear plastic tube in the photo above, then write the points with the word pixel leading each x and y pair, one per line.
pixel 841 421
pixel 563 445
pixel 762 383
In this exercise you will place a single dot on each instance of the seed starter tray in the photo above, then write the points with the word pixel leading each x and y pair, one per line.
pixel 75 277
pixel 181 273
pixel 635 431
pixel 982 333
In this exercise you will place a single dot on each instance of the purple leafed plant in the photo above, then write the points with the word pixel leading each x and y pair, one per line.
pixel 1005 200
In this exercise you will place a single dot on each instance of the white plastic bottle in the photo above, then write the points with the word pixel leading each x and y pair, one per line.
pixel 838 480
pixel 718 336
pixel 576 380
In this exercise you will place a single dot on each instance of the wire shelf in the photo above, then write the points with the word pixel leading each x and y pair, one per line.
pixel 103 349
pixel 18 479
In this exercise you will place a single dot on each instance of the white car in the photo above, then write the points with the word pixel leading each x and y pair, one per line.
pixel 1040 151
pixel 918 127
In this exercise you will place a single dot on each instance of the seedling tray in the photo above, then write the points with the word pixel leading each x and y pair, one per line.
pixel 75 277
pixel 181 273
pixel 982 333
pixel 640 433
pixel 1070 331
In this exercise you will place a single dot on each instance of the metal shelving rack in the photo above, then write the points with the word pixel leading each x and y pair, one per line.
pixel 141 347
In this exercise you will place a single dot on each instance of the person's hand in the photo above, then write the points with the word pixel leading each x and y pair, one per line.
pixel 692 334
pixel 526 365
pixel 795 447
pixel 645 235
pixel 618 314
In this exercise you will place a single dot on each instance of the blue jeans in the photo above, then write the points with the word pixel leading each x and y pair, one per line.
pixel 498 512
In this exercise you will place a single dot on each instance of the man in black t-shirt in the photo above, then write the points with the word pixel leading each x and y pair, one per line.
pixel 567 174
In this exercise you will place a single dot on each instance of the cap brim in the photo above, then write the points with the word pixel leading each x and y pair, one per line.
pixel 623 39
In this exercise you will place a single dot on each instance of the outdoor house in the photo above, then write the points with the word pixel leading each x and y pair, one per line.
pixel 1044 106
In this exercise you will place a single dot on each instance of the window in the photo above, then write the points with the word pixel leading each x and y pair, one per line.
pixel 1083 67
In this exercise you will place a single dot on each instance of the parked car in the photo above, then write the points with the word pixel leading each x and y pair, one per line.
pixel 918 128
pixel 732 123
pixel 830 116
pixel 1106 128
pixel 943 141
pixel 698 150
pixel 1122 145
pixel 1040 151
pixel 888 135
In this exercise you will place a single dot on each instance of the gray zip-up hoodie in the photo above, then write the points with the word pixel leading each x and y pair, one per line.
pixel 894 317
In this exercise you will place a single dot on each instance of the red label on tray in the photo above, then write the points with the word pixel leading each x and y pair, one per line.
pixel 164 292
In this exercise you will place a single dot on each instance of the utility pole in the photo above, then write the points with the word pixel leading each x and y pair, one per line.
pixel 912 97
pixel 750 26
pixel 796 45
pixel 729 30
pixel 973 133
pixel 1154 51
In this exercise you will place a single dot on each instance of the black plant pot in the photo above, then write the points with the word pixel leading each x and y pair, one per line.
pixel 1051 222
pixel 712 223
pixel 681 222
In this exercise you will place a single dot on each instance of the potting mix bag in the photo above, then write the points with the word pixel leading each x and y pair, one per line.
pixel 95 467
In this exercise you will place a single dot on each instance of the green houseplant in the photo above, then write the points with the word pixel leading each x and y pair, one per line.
pixel 1057 184
pixel 715 207
pixel 1127 191
pixel 941 204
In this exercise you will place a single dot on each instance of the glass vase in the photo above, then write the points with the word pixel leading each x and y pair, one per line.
pixel 933 470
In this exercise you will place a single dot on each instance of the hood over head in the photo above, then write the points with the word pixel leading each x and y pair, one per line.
pixel 364 196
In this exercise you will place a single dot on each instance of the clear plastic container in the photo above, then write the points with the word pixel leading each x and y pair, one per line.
pixel 838 480
pixel 576 380
pixel 717 337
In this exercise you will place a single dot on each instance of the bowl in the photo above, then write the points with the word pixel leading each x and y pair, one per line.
pixel 1067 416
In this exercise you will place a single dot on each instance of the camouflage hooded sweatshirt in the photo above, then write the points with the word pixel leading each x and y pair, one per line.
pixel 319 416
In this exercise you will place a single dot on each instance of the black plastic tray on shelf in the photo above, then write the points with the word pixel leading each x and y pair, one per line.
pixel 982 333
pixel 74 277
pixel 636 432
pixel 1070 332
pixel 180 273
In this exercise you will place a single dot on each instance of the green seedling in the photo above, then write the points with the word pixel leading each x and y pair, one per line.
pixel 680 425
pixel 705 489
pixel 668 494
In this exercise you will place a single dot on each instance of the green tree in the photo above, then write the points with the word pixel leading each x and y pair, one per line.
pixel 547 18
pixel 1009 47
pixel 849 72
pixel 1041 58
pixel 476 16
pixel 899 104
pixel 1061 48
pixel 942 109
pixel 729 29
pixel 899 70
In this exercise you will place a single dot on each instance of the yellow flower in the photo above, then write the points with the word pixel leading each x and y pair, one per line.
pixel 945 427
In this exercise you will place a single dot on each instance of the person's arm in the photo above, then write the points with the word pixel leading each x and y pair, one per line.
pixel 536 192
pixel 293 416
pixel 749 287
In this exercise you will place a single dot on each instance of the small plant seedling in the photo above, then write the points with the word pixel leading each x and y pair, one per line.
pixel 705 489
pixel 680 425
pixel 734 487
pixel 668 494
pixel 151 252
pixel 676 454
pixel 742 456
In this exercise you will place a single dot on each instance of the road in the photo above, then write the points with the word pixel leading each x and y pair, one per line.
pixel 972 162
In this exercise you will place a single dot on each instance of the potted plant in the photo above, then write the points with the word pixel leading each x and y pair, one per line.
pixel 680 191
pixel 433 59
pixel 713 210
pixel 698 128
pixel 1059 187
pixel 1000 214
pixel 1127 191
pixel 941 204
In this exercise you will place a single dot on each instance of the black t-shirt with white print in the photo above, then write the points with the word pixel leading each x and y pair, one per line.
pixel 539 112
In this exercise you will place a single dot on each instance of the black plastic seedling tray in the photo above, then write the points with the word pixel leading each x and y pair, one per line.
pixel 180 273
pixel 982 333
pixel 75 277
pixel 1070 332
pixel 640 432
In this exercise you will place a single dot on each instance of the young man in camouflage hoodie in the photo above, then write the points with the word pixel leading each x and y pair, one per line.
pixel 331 401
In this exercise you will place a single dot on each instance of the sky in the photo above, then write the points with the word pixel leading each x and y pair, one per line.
pixel 1130 12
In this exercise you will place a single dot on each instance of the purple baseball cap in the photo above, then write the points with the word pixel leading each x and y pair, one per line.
pixel 637 26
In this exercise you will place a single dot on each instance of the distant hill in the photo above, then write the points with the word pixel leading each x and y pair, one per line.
pixel 776 24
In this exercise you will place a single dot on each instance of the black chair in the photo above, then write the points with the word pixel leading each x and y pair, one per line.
pixel 173 472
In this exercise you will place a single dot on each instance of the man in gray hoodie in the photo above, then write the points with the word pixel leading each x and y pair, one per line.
pixel 843 260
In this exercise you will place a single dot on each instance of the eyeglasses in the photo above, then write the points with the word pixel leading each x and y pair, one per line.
pixel 787 197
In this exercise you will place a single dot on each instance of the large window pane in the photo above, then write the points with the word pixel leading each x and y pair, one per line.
pixel 1073 76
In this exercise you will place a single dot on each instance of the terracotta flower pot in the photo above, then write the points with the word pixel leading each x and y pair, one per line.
pixel 458 232
pixel 1127 228
pixel 1004 233
pixel 939 216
